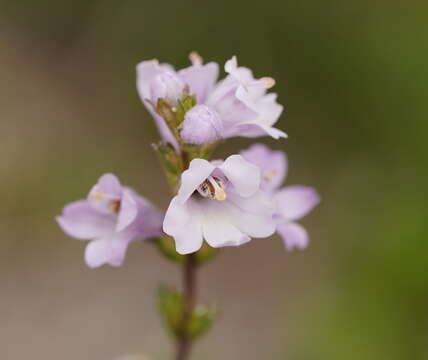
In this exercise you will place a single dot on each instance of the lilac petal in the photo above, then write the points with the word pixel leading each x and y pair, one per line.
pixel 242 74
pixel 293 235
pixel 109 184
pixel 197 172
pixel 273 165
pixel 294 202
pixel 182 222
pixel 231 65
pixel 81 221
pixel 253 217
pixel 146 73
pixel 110 250
pixel 128 211
pixel 217 229
pixel 244 175
pixel 148 222
pixel 104 192
pixel 201 79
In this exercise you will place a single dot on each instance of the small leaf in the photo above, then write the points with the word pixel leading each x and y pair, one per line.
pixel 171 304
pixel 201 320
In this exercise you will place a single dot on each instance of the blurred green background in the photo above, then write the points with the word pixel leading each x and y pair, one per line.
pixel 353 78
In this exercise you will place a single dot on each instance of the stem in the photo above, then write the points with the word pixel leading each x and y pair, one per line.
pixel 184 343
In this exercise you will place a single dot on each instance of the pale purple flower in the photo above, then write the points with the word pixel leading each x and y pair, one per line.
pixel 111 217
pixel 244 106
pixel 220 202
pixel 240 102
pixel 292 202
pixel 155 80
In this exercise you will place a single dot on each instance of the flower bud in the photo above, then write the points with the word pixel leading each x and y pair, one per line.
pixel 201 125
pixel 167 86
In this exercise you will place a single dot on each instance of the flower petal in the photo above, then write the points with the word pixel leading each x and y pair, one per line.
pixel 244 175
pixel 201 79
pixel 294 202
pixel 128 211
pixel 253 216
pixel 197 172
pixel 110 250
pixel 182 222
pixel 216 226
pixel 106 190
pixel 293 235
pixel 273 165
pixel 81 221
pixel 146 73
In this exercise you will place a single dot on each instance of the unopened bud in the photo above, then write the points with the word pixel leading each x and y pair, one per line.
pixel 201 125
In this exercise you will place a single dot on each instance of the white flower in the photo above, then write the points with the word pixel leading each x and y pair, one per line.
pixel 220 202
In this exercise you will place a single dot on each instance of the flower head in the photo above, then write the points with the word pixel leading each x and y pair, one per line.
pixel 160 81
pixel 291 202
pixel 221 203
pixel 240 102
pixel 111 217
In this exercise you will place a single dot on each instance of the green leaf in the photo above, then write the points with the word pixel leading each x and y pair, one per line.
pixel 201 320
pixel 171 305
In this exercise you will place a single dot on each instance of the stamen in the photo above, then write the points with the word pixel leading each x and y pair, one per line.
pixel 114 205
pixel 195 58
pixel 267 82
pixel 98 195
pixel 267 176
pixel 212 188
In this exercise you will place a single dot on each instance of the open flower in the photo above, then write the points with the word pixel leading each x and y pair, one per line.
pixel 111 217
pixel 292 202
pixel 239 105
pixel 245 107
pixel 220 202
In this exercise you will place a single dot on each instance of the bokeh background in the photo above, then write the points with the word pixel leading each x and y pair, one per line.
pixel 353 77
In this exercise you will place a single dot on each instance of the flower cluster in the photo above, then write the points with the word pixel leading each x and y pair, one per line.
pixel 225 203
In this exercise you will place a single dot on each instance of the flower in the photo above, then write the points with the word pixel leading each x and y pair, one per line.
pixel 244 106
pixel 155 80
pixel 240 102
pixel 292 202
pixel 220 202
pixel 111 217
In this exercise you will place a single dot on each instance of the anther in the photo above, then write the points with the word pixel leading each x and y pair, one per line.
pixel 195 58
pixel 267 82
